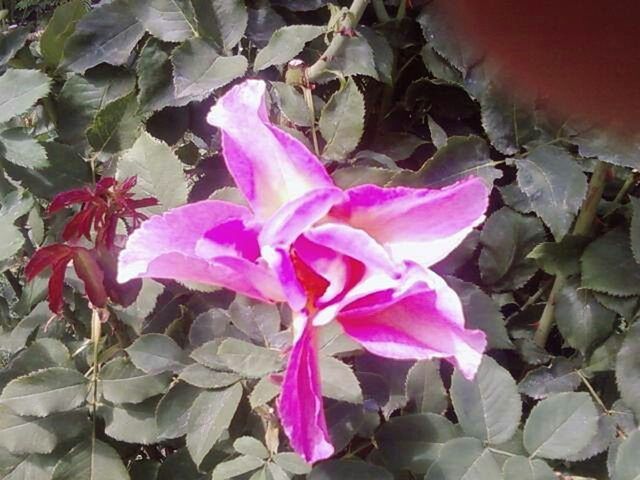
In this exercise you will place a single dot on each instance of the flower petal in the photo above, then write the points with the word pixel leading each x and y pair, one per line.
pixel 269 166
pixel 424 321
pixel 185 244
pixel 420 225
pixel 284 228
pixel 300 404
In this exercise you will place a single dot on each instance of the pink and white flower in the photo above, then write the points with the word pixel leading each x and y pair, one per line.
pixel 360 257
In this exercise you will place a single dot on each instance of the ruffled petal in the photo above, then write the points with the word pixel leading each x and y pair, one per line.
pixel 269 166
pixel 300 404
pixel 284 228
pixel 419 225
pixel 421 321
pixel 210 242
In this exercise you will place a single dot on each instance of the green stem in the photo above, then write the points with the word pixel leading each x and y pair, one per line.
pixel 381 11
pixel 402 10
pixel 96 332
pixel 583 226
pixel 617 202
pixel 351 21
pixel 308 97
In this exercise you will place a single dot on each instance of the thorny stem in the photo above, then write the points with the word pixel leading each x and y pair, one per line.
pixel 350 22
pixel 582 227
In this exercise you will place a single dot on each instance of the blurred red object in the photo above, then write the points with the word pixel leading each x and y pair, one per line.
pixel 582 55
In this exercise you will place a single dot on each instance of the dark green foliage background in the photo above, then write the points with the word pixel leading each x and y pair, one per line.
pixel 122 88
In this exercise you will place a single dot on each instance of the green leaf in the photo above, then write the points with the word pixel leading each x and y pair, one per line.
pixel 608 147
pixel 155 77
pixel 208 326
pixel 383 54
pixel 344 420
pixel 210 416
pixel 172 412
pixel 91 460
pixel 348 470
pixel 612 248
pixel 628 368
pixel 507 238
pixel 561 425
pixel 460 158
pixel 508 125
pixel 606 433
pixel 44 392
pixel 115 127
pixel 158 170
pixel 247 359
pixel 291 104
pixel 39 435
pixel 264 391
pixel 338 380
pixel 122 382
pixel 11 239
pixel 292 463
pixel 442 37
pixel 33 467
pixel 10 42
pixel 203 377
pixel 355 57
pixel 236 467
pixel 250 446
pixel 169 20
pixel 259 321
pixel 107 34
pixel 555 185
pixel 223 21
pixel 413 442
pixel 285 44
pixel 136 313
pixel 20 90
pixel 582 321
pixel 59 29
pixel 82 96
pixel 514 197
pixel 198 69
pixel 67 169
pixel 131 423
pixel 156 353
pixel 524 468
pixel 561 258
pixel 627 465
pixel 488 407
pixel 425 389
pixel 464 458
pixel 603 358
pixel 561 376
pixel 20 148
pixel 482 312
pixel 342 122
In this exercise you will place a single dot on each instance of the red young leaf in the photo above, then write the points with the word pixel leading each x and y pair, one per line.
pixel 91 275
pixel 45 257
pixel 56 284
pixel 64 199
